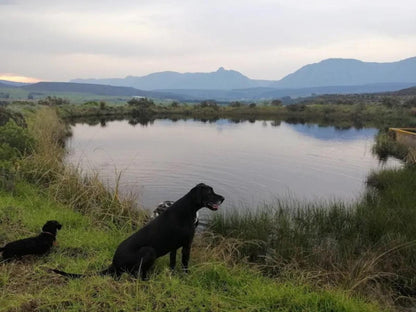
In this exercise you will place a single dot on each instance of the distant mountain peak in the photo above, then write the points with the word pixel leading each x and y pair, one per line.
pixel 350 72
pixel 222 79
pixel 340 60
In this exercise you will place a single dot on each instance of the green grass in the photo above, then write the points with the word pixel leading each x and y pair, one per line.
pixel 85 246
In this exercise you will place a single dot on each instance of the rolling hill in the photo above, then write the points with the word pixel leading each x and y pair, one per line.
pixel 97 89
pixel 12 83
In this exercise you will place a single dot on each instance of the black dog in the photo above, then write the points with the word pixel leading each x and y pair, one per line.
pixel 37 245
pixel 171 230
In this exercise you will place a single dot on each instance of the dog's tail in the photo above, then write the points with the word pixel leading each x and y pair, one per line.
pixel 71 275
pixel 109 271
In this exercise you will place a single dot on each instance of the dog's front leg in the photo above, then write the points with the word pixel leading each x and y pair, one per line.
pixel 186 252
pixel 172 262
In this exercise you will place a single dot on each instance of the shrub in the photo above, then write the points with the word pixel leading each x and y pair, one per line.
pixel 16 138
pixel 53 101
pixel 235 104
pixel 6 115
pixel 296 107
pixel 15 142
pixel 276 102
pixel 390 102
pixel 410 102
pixel 141 102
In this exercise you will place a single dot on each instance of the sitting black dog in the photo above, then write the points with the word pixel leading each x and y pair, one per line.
pixel 37 245
pixel 171 230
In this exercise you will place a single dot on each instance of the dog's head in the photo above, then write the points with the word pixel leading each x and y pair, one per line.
pixel 51 226
pixel 204 196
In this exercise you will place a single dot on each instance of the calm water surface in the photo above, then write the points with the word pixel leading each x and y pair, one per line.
pixel 248 163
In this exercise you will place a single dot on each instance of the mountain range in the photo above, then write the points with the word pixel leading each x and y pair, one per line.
pixel 219 80
pixel 327 73
pixel 330 76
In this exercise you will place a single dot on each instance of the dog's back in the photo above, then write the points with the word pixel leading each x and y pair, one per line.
pixel 29 246
pixel 36 245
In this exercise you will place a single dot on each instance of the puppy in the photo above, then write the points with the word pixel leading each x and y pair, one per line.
pixel 37 245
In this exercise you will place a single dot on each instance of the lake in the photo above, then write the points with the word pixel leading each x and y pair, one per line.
pixel 249 163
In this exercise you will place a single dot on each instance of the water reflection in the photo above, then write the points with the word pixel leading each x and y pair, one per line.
pixel 250 162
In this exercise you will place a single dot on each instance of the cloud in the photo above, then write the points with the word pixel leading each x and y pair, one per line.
pixel 138 37
pixel 8 2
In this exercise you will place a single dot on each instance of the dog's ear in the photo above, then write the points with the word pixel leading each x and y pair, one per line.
pixel 46 227
pixel 51 226
pixel 197 193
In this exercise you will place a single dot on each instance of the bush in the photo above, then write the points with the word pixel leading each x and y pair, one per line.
pixel 235 104
pixel 296 107
pixel 410 102
pixel 15 142
pixel 6 115
pixel 141 102
pixel 276 102
pixel 53 101
pixel 208 104
pixel 390 102
pixel 15 138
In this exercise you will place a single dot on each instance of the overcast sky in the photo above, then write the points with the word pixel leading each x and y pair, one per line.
pixel 263 39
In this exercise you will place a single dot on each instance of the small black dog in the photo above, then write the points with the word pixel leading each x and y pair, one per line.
pixel 37 245
pixel 171 230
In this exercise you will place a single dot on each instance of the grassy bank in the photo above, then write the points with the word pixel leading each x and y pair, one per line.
pixel 368 247
pixel 95 220
pixel 84 246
